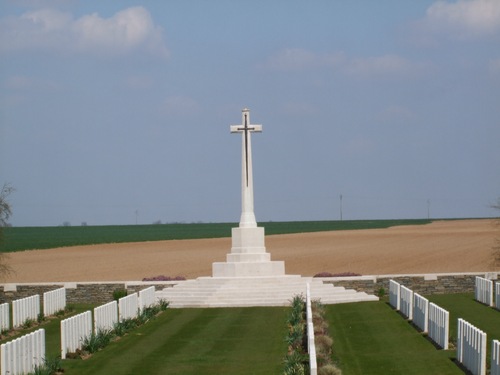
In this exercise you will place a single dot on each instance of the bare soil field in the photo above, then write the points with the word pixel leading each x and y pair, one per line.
pixel 442 246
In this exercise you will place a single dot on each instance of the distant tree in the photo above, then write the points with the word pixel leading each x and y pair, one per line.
pixel 5 213
pixel 496 247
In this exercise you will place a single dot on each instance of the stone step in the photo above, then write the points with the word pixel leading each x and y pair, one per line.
pixel 254 291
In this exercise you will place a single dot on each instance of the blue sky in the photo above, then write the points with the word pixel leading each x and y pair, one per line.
pixel 108 108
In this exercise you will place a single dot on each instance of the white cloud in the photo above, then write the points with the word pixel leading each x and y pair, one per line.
pixel 49 29
pixel 463 19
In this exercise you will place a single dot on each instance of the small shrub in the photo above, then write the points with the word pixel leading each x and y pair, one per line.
pixel 124 326
pixel 295 364
pixel 329 370
pixel 60 313
pixel 324 274
pixel 341 274
pixel 163 304
pixel 50 366
pixel 381 292
pixel 40 318
pixel 323 341
pixel 28 323
pixel 119 293
pixel 164 278
pixel 97 341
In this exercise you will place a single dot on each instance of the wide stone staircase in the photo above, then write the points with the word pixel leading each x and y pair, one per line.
pixel 254 291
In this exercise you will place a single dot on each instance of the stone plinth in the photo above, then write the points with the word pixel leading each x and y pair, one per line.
pixel 248 256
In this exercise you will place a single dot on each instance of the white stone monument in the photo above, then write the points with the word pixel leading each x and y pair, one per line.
pixel 248 255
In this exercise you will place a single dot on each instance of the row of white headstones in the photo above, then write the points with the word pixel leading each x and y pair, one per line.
pixel 25 353
pixel 434 320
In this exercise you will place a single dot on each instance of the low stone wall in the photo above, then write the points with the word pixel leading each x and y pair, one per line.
pixel 102 292
pixel 91 292
pixel 424 284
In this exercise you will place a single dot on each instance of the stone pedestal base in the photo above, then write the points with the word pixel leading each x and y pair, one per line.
pixel 248 269
pixel 248 256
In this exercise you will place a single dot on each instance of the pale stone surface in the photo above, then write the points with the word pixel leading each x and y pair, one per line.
pixel 248 255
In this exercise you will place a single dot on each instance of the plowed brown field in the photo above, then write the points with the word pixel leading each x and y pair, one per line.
pixel 442 246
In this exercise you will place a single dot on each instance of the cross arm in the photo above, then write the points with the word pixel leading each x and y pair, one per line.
pixel 241 128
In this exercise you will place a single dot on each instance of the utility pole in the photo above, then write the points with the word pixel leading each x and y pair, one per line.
pixel 136 216
pixel 428 209
pixel 340 207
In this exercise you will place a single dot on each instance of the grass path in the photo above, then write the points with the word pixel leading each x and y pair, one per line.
pixel 464 306
pixel 371 338
pixel 196 341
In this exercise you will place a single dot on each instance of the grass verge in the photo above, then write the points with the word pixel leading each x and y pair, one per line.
pixel 195 341
pixel 464 306
pixel 372 338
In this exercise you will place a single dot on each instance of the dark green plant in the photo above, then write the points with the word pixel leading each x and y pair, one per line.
pixel 381 292
pixel 119 293
pixel 40 318
pixel 295 363
pixel 97 340
pixel 124 326
pixel 163 304
pixel 50 366
pixel 28 323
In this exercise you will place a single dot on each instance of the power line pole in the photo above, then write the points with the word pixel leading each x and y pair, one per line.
pixel 340 207
pixel 428 209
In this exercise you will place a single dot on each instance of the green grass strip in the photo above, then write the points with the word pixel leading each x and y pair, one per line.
pixel 372 338
pixel 26 238
pixel 196 341
pixel 464 306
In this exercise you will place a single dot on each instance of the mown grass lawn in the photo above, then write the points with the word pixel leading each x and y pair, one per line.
pixel 196 341
pixel 372 338
pixel 464 306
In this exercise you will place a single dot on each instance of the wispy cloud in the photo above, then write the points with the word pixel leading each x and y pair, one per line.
pixel 296 59
pixel 463 20
pixel 48 29
pixel 385 65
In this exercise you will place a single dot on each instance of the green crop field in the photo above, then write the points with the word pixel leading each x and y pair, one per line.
pixel 26 238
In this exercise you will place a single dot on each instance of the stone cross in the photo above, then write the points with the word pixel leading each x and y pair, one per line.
pixel 246 129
